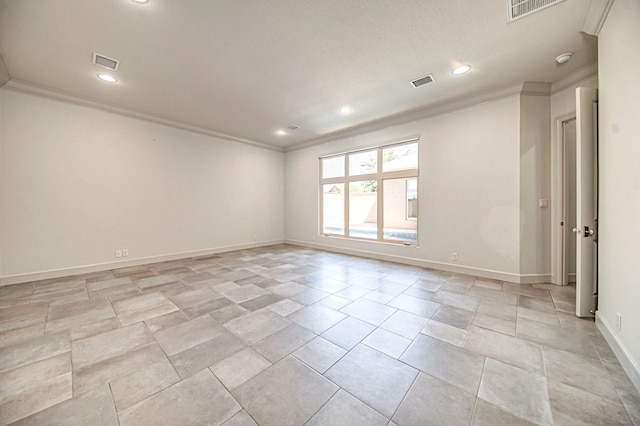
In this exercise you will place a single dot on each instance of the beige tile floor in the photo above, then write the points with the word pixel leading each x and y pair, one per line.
pixel 284 335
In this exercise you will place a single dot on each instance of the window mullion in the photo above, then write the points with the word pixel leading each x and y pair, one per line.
pixel 346 196
pixel 380 212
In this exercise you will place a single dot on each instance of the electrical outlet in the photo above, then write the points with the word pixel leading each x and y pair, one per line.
pixel 118 253
pixel 619 321
pixel 125 252
pixel 454 256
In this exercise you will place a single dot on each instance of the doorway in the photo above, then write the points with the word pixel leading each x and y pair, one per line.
pixel 568 221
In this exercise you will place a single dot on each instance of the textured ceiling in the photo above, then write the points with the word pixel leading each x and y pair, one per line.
pixel 245 68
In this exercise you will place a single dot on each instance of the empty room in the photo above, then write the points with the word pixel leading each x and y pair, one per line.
pixel 319 212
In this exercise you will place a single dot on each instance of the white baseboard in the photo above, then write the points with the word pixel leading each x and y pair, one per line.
pixel 629 365
pixel 442 266
pixel 78 270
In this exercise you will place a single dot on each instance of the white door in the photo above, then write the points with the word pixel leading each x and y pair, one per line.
pixel 586 201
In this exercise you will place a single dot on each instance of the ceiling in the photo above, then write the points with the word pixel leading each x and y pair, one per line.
pixel 245 68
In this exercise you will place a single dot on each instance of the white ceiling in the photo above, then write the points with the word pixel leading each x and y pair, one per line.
pixel 245 68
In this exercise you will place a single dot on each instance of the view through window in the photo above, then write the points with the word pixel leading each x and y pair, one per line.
pixel 371 194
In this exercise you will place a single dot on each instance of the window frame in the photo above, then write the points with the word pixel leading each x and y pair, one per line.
pixel 407 199
pixel 379 176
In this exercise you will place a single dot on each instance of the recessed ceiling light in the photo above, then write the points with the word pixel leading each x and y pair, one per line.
pixel 281 132
pixel 461 69
pixel 108 78
pixel 561 59
pixel 345 110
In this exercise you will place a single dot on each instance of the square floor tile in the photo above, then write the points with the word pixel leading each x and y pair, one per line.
pixel 578 371
pixel 17 317
pixel 295 393
pixel 517 391
pixel 140 384
pixel 344 409
pixel 281 343
pixel 141 308
pixel 33 350
pixel 405 324
pixel 575 406
pixel 244 293
pixel 189 298
pixel 431 401
pixel 94 349
pixel 228 313
pixel 165 321
pixel 415 305
pixel 94 407
pixel 69 315
pixel 317 318
pixel 285 307
pixel 23 389
pixel 201 399
pixel 348 332
pixel 454 365
pixel 372 312
pixel 256 326
pixel 239 367
pixel 373 377
pixel 559 338
pixel 518 352
pixel 387 342
pixel 486 414
pixel 240 419
pixel 495 324
pixel 260 302
pixel 445 332
pixel 188 334
pixel 498 309
pixel 320 354
pixel 538 316
pixel 207 353
pixel 102 372
pixel 455 317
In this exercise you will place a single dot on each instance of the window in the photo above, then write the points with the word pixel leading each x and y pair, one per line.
pixel 371 194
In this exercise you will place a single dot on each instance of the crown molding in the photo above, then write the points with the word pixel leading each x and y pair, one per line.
pixel 535 88
pixel 35 90
pixel 580 75
pixel 5 77
pixel 596 16
pixel 440 108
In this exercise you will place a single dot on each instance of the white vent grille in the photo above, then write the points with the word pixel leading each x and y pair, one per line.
pixel 517 9
pixel 422 81
pixel 103 61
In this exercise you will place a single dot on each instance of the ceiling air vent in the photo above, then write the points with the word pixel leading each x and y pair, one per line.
pixel 103 61
pixel 292 128
pixel 422 81
pixel 517 9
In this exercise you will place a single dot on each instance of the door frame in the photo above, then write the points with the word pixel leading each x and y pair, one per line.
pixel 557 193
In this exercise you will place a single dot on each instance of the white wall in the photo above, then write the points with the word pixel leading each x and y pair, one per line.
pixel 535 157
pixel 468 191
pixel 78 183
pixel 619 214
pixel 1 97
